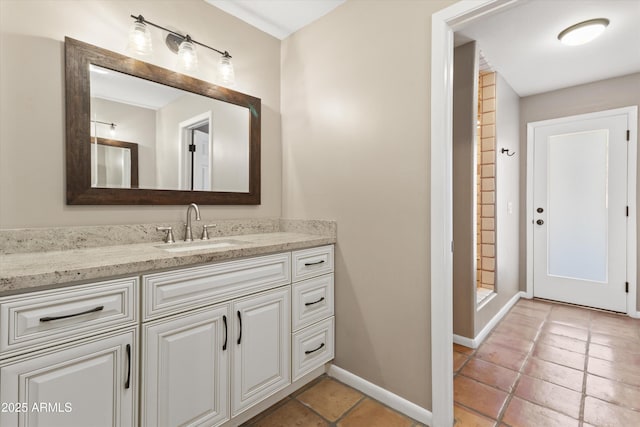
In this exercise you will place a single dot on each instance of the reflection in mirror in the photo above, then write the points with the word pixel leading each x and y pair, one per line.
pixel 186 141
pixel 197 142
pixel 114 164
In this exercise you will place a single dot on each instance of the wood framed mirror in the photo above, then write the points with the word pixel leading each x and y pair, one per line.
pixel 195 141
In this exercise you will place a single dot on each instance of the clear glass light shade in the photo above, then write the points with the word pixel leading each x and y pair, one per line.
pixel 225 71
pixel 584 32
pixel 139 39
pixel 112 130
pixel 187 57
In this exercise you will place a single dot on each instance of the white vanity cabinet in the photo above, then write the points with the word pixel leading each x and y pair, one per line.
pixel 227 350
pixel 70 359
pixel 312 310
pixel 185 375
pixel 261 347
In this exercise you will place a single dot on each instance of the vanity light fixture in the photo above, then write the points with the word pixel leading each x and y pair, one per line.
pixel 183 45
pixel 112 127
pixel 583 32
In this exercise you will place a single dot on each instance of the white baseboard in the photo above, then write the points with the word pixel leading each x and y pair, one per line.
pixel 390 399
pixel 498 317
pixel 467 342
pixel 475 343
pixel 635 314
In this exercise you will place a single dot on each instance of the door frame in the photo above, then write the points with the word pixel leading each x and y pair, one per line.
pixel 184 128
pixel 443 24
pixel 632 116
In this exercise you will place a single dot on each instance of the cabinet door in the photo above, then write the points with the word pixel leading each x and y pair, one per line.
pixel 186 369
pixel 261 347
pixel 90 383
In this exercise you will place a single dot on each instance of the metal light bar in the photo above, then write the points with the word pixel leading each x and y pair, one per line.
pixel 140 18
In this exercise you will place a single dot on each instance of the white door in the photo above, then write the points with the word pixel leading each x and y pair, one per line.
pixel 201 160
pixel 186 369
pixel 261 347
pixel 580 210
pixel 86 384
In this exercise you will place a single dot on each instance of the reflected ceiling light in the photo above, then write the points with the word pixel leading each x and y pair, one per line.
pixel 185 47
pixel 583 32
pixel 112 126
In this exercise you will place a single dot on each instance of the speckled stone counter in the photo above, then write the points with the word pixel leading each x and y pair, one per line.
pixel 24 271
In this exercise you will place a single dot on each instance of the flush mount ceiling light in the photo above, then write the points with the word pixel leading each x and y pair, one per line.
pixel 183 45
pixel 583 32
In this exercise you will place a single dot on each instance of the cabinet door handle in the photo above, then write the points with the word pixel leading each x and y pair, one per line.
pixel 314 350
pixel 240 320
pixel 93 310
pixel 315 302
pixel 307 264
pixel 127 383
pixel 226 333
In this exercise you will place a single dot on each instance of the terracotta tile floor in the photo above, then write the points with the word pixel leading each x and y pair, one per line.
pixel 326 402
pixel 548 364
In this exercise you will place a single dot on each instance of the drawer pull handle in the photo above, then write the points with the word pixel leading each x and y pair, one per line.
pixel 93 310
pixel 313 351
pixel 307 264
pixel 127 383
pixel 240 336
pixel 226 333
pixel 315 302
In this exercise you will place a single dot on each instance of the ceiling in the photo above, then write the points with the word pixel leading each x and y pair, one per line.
pixel 521 44
pixel 520 41
pixel 279 18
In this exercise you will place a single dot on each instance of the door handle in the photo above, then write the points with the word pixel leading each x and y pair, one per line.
pixel 226 333
pixel 240 320
pixel 539 222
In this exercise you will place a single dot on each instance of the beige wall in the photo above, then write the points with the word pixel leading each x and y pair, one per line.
pixel 507 193
pixel 602 95
pixel 465 114
pixel 355 96
pixel 32 115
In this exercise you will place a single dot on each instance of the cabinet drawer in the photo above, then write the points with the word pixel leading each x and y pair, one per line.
pixel 174 291
pixel 312 301
pixel 312 262
pixel 45 318
pixel 312 347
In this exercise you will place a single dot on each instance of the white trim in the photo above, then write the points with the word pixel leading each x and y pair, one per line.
pixel 475 343
pixel 495 319
pixel 441 203
pixel 632 220
pixel 390 399
pixel 485 301
pixel 632 116
pixel 467 342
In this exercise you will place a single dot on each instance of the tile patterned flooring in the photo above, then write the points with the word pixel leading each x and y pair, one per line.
pixel 548 365
pixel 326 402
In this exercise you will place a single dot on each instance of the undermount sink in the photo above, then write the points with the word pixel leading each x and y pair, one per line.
pixel 198 245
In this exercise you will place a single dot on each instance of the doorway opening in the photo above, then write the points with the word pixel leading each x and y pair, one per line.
pixel 196 147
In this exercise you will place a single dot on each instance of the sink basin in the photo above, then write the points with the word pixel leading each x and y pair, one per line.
pixel 198 245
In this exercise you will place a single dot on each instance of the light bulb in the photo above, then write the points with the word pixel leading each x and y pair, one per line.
pixel 112 130
pixel 583 32
pixel 187 56
pixel 139 38
pixel 225 70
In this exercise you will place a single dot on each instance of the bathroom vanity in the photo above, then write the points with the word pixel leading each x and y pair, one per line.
pixel 147 335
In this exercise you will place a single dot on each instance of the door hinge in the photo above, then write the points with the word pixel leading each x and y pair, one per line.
pixel 626 287
pixel 192 148
pixel 628 135
pixel 452 246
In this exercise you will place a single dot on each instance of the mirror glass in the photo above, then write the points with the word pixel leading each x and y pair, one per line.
pixel 186 141
pixel 140 134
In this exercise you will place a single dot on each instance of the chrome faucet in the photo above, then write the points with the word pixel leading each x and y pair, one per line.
pixel 188 236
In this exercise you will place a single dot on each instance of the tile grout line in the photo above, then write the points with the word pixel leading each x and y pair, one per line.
pixel 512 394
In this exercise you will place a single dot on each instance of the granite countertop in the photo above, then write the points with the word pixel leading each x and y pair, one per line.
pixel 22 272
